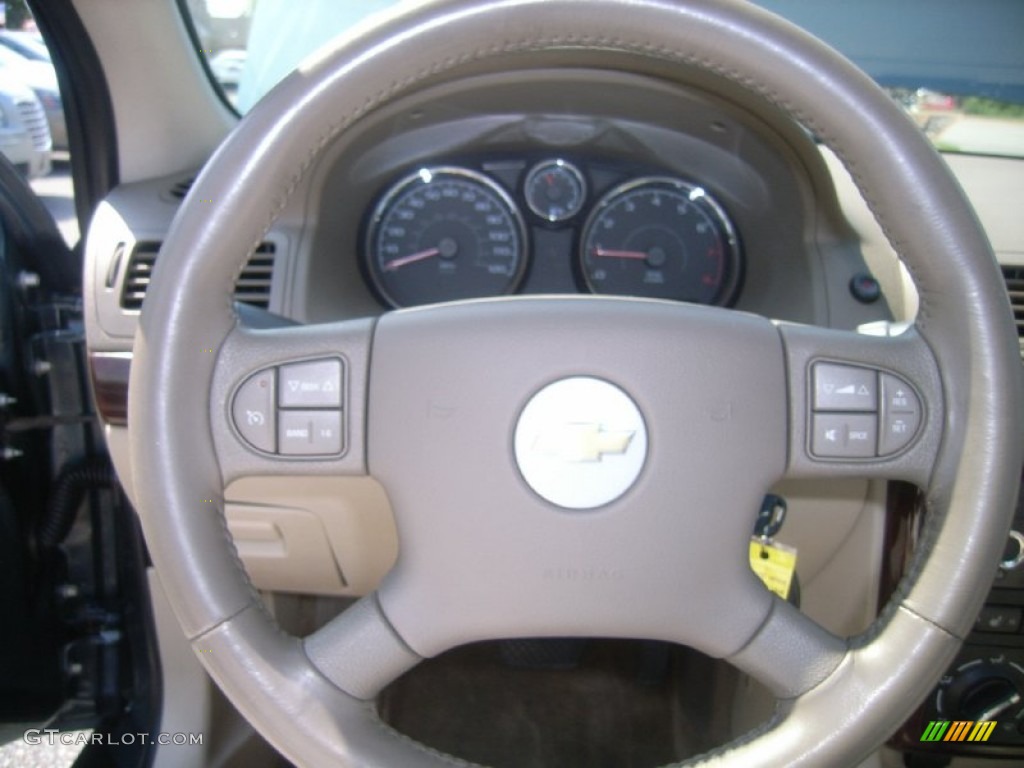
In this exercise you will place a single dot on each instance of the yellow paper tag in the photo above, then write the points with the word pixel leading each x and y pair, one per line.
pixel 775 564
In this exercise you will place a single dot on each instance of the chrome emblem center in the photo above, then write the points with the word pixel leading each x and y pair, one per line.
pixel 580 442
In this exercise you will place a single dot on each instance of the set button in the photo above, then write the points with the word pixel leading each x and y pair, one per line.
pixel 294 409
pixel 861 413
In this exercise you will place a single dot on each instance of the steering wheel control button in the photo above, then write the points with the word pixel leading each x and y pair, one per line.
pixel 253 410
pixel 861 413
pixel 310 433
pixel 315 384
pixel 901 415
pixel 845 388
pixel 844 435
pixel 293 409
pixel 580 442
pixel 898 429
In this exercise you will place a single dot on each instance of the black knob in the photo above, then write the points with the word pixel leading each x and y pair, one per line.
pixel 982 690
pixel 865 288
pixel 1013 552
pixel 996 693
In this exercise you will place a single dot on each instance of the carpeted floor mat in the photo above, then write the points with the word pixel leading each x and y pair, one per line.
pixel 625 704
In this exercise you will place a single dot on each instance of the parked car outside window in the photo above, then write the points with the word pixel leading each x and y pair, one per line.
pixel 39 75
pixel 24 130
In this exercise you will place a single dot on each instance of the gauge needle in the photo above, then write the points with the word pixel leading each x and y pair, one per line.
pixel 612 254
pixel 401 261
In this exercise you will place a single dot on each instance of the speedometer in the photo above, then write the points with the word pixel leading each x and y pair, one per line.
pixel 660 237
pixel 442 234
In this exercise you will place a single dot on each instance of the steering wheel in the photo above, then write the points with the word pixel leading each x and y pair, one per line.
pixel 675 401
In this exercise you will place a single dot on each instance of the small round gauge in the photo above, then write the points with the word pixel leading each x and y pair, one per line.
pixel 443 234
pixel 555 190
pixel 663 238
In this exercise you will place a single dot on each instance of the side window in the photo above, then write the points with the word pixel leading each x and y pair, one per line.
pixel 33 132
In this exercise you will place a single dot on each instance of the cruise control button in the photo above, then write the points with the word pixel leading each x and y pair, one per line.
pixel 898 396
pixel 901 415
pixel 844 435
pixel 316 384
pixel 898 429
pixel 310 433
pixel 844 388
pixel 253 410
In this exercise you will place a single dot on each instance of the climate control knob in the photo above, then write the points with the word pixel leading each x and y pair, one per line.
pixel 983 689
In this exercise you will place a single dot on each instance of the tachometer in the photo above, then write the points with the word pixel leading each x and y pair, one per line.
pixel 442 234
pixel 660 237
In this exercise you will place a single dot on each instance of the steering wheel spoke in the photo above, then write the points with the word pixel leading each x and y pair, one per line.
pixel 790 653
pixel 862 405
pixel 359 651
pixel 291 400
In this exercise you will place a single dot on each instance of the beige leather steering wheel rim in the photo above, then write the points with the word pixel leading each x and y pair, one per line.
pixel 313 699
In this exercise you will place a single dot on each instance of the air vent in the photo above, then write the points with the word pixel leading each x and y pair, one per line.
pixel 180 189
pixel 252 287
pixel 1014 277
pixel 136 277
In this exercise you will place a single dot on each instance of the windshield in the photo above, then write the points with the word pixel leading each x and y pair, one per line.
pixel 956 68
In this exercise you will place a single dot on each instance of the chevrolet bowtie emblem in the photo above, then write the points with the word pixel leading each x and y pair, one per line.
pixel 582 442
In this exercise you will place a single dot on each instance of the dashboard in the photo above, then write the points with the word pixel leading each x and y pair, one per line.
pixel 500 185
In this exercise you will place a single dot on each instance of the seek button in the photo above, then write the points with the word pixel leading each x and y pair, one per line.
pixel 316 384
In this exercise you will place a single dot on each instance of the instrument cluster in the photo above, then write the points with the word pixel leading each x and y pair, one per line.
pixel 465 230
